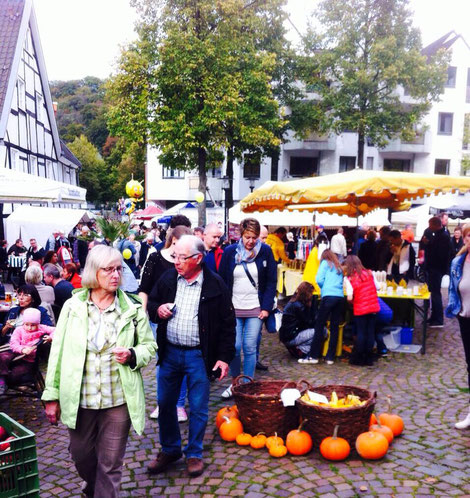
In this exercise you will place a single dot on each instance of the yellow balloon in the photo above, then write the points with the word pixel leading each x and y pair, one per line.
pixel 199 197
pixel 126 253
pixel 134 189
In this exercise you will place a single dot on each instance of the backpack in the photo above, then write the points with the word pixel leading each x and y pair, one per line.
pixel 64 255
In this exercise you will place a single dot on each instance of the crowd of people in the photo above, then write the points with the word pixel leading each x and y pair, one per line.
pixel 200 304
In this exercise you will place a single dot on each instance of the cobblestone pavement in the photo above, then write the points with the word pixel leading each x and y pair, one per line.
pixel 430 458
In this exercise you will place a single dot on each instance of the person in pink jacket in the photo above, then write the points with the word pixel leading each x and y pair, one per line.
pixel 23 341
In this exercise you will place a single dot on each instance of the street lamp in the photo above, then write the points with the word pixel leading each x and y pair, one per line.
pixel 226 187
pixel 252 180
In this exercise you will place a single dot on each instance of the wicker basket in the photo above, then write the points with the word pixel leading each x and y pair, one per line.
pixel 260 406
pixel 321 420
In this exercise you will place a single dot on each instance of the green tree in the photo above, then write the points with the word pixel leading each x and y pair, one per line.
pixel 94 176
pixel 206 88
pixel 363 53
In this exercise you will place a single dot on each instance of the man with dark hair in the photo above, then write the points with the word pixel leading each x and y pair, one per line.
pixel 34 248
pixel 199 232
pixel 437 252
pixel 62 288
pixel 383 248
pixel 275 241
pixel 402 258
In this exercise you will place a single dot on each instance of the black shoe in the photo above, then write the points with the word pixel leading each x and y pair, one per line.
pixel 436 325
pixel 260 366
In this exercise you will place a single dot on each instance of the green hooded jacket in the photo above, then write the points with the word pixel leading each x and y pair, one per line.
pixel 69 349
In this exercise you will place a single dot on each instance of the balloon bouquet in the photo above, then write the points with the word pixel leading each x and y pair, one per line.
pixel 134 190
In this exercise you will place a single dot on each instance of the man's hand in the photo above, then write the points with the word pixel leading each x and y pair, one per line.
pixel 122 355
pixel 223 369
pixel 263 314
pixel 53 411
pixel 164 311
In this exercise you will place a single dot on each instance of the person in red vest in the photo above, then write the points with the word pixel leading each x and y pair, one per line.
pixel 211 241
pixel 361 290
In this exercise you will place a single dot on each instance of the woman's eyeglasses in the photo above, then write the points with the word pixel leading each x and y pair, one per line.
pixel 111 269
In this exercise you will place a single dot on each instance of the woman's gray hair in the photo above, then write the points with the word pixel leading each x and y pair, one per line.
pixel 33 275
pixel 99 257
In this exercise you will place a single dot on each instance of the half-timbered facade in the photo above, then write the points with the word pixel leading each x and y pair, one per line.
pixel 31 152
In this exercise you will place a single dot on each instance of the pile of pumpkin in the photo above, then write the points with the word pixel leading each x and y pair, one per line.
pixel 370 445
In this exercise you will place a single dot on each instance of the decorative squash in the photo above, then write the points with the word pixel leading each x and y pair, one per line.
pixel 230 429
pixel 373 419
pixel 395 422
pixel 277 450
pixel 371 445
pixel 274 440
pixel 383 429
pixel 244 439
pixel 226 411
pixel 335 448
pixel 299 442
pixel 258 441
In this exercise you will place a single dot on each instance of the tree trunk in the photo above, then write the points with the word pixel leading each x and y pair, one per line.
pixel 360 149
pixel 229 172
pixel 202 157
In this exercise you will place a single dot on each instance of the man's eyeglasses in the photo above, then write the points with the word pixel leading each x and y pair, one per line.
pixel 179 257
pixel 111 269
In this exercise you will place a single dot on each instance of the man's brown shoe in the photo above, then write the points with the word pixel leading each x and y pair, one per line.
pixel 195 466
pixel 163 461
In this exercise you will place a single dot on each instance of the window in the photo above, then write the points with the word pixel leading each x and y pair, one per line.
pixel 441 166
pixel 346 163
pixel 467 98
pixel 466 133
pixel 274 167
pixel 451 77
pixel 445 123
pixel 15 159
pixel 303 166
pixel 33 163
pixel 370 163
pixel 39 107
pixel 397 165
pixel 251 166
pixel 172 173
pixel 21 94
pixel 216 172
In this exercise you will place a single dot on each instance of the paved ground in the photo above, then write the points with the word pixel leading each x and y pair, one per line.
pixel 430 458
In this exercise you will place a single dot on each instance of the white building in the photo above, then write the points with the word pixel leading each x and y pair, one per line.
pixel 35 165
pixel 437 148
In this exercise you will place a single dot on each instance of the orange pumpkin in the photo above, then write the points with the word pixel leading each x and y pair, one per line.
pixel 371 445
pixel 373 419
pixel 244 439
pixel 230 429
pixel 226 411
pixel 334 447
pixel 274 440
pixel 383 429
pixel 395 422
pixel 299 442
pixel 258 441
pixel 277 450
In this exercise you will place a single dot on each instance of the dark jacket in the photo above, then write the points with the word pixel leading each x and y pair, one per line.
pixel 295 318
pixel 368 254
pixel 213 258
pixel 437 252
pixel 216 316
pixel 80 251
pixel 144 250
pixel 267 273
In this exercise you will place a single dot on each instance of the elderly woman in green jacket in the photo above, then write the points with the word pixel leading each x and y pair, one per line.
pixel 93 384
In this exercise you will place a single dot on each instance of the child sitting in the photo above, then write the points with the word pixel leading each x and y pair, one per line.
pixel 23 341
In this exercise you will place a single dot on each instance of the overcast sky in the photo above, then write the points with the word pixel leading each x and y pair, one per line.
pixel 82 37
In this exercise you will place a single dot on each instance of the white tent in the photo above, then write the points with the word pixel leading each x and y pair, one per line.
pixel 16 186
pixel 304 218
pixel 213 215
pixel 27 222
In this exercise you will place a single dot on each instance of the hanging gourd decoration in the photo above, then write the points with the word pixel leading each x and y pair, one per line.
pixel 274 440
pixel 299 442
pixel 230 429
pixel 277 450
pixel 335 448
pixel 226 411
pixel 258 441
pixel 395 422
pixel 134 189
pixel 383 429
pixel 126 254
pixel 200 197
pixel 244 439
pixel 371 445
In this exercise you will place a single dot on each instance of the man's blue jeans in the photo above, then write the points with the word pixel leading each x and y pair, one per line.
pixel 248 330
pixel 176 364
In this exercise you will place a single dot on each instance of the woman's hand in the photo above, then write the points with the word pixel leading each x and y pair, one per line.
pixel 53 411
pixel 263 314
pixel 46 338
pixel 122 355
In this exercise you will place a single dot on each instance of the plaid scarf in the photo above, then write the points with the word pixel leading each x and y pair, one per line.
pixel 243 255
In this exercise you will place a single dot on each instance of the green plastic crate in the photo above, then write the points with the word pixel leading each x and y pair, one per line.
pixel 18 465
